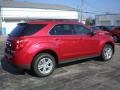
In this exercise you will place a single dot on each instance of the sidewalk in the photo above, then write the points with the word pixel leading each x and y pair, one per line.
pixel 2 43
pixel 2 46
pixel 2 38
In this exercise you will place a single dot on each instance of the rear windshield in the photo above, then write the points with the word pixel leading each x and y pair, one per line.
pixel 24 29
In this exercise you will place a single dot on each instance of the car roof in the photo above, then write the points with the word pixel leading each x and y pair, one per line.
pixel 53 22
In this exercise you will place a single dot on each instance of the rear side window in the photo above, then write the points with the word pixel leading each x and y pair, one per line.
pixel 62 29
pixel 24 29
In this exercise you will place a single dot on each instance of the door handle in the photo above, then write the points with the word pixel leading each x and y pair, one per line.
pixel 79 38
pixel 55 39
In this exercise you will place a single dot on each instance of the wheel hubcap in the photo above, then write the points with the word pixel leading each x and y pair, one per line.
pixel 45 65
pixel 108 53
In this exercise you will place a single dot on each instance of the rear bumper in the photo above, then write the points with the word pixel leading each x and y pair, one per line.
pixel 10 60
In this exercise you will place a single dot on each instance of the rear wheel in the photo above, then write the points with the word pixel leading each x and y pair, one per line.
pixel 43 64
pixel 107 52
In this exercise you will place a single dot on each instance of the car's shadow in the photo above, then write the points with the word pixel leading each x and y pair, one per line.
pixel 79 61
pixel 72 63
pixel 11 69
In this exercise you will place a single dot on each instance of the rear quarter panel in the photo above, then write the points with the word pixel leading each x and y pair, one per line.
pixel 39 44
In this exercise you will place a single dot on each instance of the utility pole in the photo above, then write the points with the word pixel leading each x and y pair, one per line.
pixel 81 9
pixel 0 22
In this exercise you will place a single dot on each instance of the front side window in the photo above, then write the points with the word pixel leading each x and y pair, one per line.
pixel 62 29
pixel 79 29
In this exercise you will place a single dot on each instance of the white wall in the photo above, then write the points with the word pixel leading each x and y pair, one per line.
pixel 9 26
pixel 28 13
pixel 38 13
pixel 108 20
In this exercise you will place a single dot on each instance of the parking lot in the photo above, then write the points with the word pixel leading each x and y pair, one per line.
pixel 89 74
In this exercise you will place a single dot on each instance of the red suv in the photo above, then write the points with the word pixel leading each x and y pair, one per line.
pixel 116 33
pixel 113 30
pixel 41 45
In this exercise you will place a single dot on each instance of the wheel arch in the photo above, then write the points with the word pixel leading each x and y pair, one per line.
pixel 110 43
pixel 51 52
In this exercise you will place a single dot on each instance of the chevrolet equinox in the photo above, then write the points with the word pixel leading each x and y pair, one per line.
pixel 41 45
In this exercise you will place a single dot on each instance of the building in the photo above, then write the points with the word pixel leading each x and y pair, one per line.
pixel 108 20
pixel 12 12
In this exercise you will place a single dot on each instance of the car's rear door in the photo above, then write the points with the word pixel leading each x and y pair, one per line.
pixel 66 41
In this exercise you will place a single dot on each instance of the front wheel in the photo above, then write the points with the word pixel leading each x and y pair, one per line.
pixel 43 64
pixel 107 52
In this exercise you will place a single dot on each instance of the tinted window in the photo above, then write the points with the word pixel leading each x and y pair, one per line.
pixel 79 29
pixel 109 27
pixel 117 28
pixel 62 29
pixel 24 29
pixel 103 28
pixel 95 28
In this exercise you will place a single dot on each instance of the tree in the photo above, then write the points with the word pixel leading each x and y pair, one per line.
pixel 89 21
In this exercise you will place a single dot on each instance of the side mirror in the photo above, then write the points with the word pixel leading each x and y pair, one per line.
pixel 92 33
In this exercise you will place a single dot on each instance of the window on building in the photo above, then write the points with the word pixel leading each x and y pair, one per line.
pixel 106 23
pixel 118 23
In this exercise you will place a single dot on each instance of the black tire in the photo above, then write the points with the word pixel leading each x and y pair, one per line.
pixel 115 38
pixel 103 55
pixel 39 60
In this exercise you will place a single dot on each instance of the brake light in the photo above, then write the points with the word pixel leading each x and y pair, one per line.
pixel 19 44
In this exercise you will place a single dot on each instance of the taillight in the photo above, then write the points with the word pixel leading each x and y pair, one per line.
pixel 19 44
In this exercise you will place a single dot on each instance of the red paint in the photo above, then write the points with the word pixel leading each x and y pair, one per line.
pixel 25 48
pixel 116 31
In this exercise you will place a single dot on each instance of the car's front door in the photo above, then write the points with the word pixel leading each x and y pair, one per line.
pixel 88 43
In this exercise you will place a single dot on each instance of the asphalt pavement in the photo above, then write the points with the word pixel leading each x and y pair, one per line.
pixel 89 74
